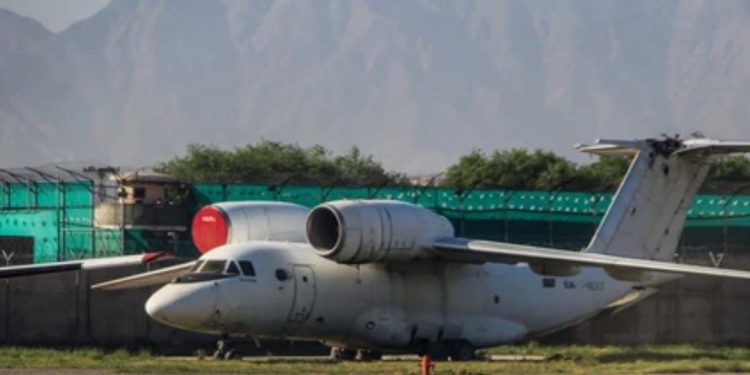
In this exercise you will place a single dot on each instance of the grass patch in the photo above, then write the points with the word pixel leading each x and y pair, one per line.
pixel 570 359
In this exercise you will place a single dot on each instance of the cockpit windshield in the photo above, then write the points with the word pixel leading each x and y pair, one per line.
pixel 209 269
pixel 210 266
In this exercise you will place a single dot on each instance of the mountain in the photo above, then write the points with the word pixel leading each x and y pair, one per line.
pixel 416 83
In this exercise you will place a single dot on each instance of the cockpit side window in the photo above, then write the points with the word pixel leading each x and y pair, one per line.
pixel 247 268
pixel 197 265
pixel 232 269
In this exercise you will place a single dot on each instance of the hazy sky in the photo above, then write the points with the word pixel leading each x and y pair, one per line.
pixel 56 15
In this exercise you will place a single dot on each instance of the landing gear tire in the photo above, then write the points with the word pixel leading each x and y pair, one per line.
pixel 368 355
pixel 218 355
pixel 461 351
pixel 232 354
pixel 225 350
pixel 341 354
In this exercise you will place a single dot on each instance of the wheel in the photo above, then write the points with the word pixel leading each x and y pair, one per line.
pixel 375 355
pixel 438 350
pixel 462 351
pixel 232 354
pixel 341 354
pixel 218 355
pixel 368 355
pixel 223 346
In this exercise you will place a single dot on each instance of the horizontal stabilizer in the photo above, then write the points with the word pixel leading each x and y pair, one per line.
pixel 84 264
pixel 605 147
pixel 156 277
pixel 669 146
pixel 712 147
pixel 475 251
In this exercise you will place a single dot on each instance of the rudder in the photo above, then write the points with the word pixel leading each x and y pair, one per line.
pixel 648 212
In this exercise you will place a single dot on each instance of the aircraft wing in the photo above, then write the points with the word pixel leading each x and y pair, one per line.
pixel 477 251
pixel 83 264
pixel 156 277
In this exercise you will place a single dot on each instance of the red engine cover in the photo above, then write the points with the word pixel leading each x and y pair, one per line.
pixel 210 229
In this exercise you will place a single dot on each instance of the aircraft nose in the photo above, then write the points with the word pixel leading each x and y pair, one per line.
pixel 184 306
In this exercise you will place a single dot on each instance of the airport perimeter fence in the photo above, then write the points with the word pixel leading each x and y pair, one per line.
pixel 52 221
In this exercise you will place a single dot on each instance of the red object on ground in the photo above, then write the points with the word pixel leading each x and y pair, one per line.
pixel 210 229
pixel 426 365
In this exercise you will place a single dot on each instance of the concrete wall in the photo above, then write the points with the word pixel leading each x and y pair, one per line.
pixel 689 310
pixel 60 309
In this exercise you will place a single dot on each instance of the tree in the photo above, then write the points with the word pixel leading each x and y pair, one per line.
pixel 512 169
pixel 278 163
pixel 520 169
pixel 732 168
pixel 731 175
pixel 605 173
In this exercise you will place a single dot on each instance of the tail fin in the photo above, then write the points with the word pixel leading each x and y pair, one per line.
pixel 647 215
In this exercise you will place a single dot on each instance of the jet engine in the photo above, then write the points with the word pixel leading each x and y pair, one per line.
pixel 233 222
pixel 357 232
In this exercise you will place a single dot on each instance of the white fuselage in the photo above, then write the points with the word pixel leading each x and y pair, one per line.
pixel 380 305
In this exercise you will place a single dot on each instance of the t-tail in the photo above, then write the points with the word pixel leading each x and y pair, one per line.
pixel 648 212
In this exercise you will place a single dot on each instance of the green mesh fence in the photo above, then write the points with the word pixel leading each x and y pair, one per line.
pixel 545 218
pixel 578 207
pixel 59 216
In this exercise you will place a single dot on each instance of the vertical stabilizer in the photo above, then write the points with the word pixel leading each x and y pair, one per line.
pixel 647 215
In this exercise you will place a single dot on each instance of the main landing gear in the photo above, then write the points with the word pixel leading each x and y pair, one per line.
pixel 455 350
pixel 461 350
pixel 343 354
pixel 225 349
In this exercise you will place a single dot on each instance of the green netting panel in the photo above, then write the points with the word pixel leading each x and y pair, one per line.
pixel 138 241
pixel 40 224
pixel 250 193
pixel 204 194
pixel 305 196
pixel 107 242
pixel 135 242
pixel 48 195
pixel 4 195
pixel 330 194
pixel 78 194
pixel 576 207
pixel 78 244
pixel 22 195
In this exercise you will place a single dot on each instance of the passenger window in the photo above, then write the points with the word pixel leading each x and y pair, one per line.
pixel 247 268
pixel 232 269
pixel 213 266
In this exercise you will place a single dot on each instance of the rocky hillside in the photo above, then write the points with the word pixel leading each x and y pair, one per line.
pixel 416 83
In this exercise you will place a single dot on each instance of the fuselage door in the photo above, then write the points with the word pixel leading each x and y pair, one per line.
pixel 304 294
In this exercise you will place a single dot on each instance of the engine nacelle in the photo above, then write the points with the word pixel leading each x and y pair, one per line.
pixel 233 222
pixel 357 231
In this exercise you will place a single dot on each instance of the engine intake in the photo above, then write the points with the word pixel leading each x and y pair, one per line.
pixel 359 231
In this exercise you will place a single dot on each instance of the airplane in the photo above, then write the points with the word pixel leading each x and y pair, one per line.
pixel 371 276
